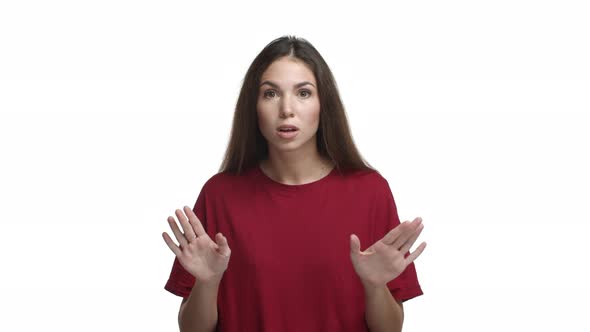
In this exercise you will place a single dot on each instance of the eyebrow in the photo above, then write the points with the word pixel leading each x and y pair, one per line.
pixel 274 85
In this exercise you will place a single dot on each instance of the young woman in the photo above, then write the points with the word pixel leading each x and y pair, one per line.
pixel 273 242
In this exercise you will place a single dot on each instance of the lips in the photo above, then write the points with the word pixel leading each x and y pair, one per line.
pixel 287 132
pixel 287 128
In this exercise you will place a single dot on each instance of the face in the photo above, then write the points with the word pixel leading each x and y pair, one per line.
pixel 288 96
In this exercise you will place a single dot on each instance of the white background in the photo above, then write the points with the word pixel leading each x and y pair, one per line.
pixel 114 113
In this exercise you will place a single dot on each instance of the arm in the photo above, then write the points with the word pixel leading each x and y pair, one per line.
pixel 206 261
pixel 381 263
pixel 383 312
pixel 198 312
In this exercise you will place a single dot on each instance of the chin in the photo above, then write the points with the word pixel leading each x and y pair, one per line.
pixel 291 146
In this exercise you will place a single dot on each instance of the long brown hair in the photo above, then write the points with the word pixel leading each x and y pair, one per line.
pixel 247 147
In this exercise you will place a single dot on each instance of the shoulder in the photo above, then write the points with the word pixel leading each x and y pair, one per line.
pixel 218 181
pixel 367 177
pixel 366 184
pixel 226 181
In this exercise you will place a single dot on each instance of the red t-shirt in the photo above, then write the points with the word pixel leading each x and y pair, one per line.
pixel 290 268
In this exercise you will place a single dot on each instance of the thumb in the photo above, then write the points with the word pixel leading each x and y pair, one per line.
pixel 223 245
pixel 355 244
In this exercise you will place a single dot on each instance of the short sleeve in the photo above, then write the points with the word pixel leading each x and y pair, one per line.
pixel 406 285
pixel 180 281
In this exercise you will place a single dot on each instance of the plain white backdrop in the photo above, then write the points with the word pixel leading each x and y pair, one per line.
pixel 114 113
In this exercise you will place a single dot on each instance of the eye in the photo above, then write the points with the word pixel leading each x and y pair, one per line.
pixel 307 92
pixel 267 92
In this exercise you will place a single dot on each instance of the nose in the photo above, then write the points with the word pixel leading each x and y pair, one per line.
pixel 286 110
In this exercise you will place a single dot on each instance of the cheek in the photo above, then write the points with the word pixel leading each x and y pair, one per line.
pixel 263 122
pixel 314 116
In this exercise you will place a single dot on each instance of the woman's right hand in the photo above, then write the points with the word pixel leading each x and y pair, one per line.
pixel 205 259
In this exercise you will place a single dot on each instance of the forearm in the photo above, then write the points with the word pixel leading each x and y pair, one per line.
pixel 199 313
pixel 382 313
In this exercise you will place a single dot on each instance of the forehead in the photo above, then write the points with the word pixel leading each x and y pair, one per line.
pixel 288 70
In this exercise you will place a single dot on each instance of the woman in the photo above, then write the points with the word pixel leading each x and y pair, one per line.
pixel 273 241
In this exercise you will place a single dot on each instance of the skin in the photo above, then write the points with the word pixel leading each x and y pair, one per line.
pixel 285 98
pixel 206 260
pixel 384 260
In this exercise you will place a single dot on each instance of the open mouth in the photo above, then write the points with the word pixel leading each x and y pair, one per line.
pixel 287 133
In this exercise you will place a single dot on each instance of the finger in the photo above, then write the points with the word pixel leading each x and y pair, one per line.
pixel 189 234
pixel 393 234
pixel 177 233
pixel 410 242
pixel 195 222
pixel 171 244
pixel 416 253
pixel 222 244
pixel 406 233
pixel 355 244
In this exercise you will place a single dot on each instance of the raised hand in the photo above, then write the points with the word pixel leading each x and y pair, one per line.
pixel 197 253
pixel 385 259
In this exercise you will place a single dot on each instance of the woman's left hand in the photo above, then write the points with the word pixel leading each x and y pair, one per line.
pixel 385 259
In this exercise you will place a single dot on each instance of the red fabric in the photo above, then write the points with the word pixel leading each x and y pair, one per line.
pixel 290 268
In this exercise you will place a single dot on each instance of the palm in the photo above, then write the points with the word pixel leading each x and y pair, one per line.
pixel 386 259
pixel 197 252
pixel 203 259
pixel 378 265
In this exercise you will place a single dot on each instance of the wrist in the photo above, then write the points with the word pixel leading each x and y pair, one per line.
pixel 371 286
pixel 210 286
pixel 211 281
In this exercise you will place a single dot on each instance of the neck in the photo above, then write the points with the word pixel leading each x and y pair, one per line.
pixel 293 170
